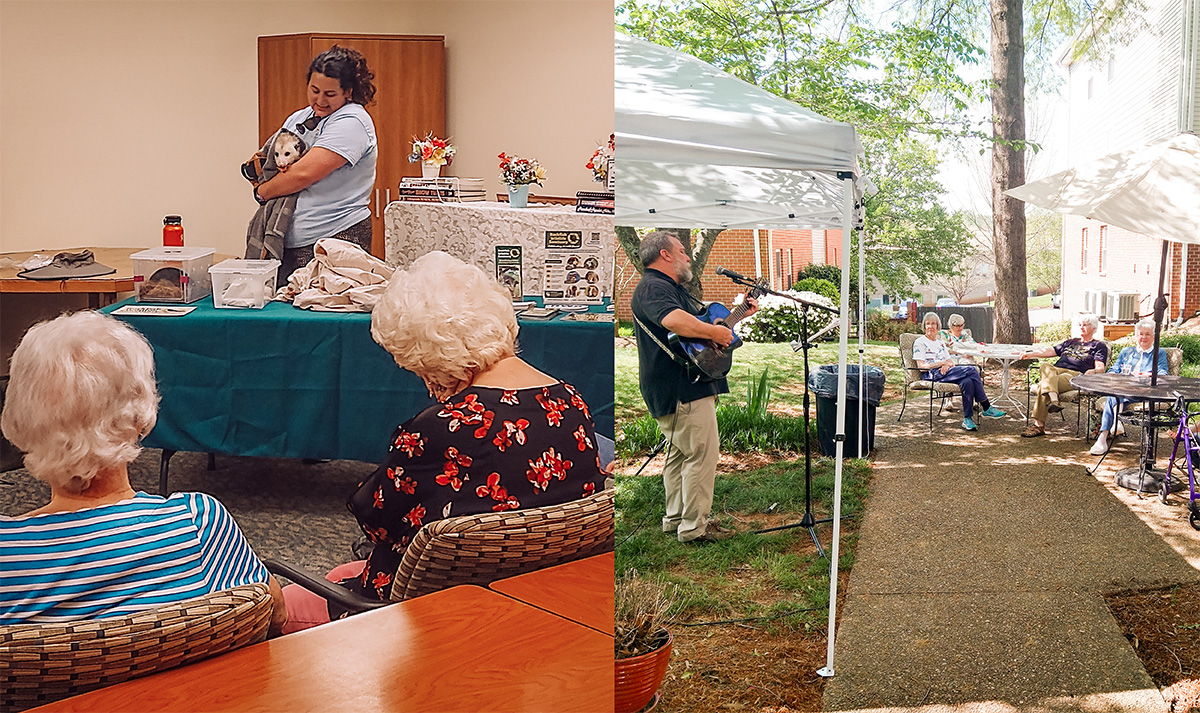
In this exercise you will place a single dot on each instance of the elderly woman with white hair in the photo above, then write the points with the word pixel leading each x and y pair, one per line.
pixel 81 395
pixel 1078 355
pixel 503 435
pixel 933 357
pixel 1137 360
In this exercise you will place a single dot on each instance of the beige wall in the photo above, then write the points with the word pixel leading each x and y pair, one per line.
pixel 114 114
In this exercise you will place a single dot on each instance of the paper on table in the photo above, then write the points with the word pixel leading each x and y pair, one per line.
pixel 153 310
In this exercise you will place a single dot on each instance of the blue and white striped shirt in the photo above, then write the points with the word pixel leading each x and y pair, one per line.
pixel 122 558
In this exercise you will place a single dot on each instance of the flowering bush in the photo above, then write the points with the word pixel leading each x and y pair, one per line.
pixel 599 161
pixel 516 171
pixel 778 319
pixel 431 150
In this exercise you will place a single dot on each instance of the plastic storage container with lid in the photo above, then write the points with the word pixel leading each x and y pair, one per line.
pixel 243 283
pixel 171 274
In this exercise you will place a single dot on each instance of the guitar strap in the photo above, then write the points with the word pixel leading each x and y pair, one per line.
pixel 689 368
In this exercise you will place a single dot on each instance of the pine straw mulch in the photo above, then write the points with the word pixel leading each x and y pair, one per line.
pixel 1163 626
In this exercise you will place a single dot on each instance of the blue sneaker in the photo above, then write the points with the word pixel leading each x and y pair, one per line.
pixel 993 412
pixel 969 424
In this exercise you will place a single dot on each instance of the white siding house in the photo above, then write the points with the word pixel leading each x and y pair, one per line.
pixel 1142 89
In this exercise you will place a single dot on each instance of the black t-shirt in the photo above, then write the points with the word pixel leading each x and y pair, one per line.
pixel 664 382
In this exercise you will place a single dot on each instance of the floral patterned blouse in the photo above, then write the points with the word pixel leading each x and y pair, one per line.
pixel 486 449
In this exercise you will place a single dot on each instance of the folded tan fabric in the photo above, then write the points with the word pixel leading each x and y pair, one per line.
pixel 341 277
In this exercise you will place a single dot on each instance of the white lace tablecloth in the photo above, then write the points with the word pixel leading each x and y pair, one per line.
pixel 471 232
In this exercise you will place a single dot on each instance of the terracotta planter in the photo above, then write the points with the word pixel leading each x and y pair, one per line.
pixel 638 678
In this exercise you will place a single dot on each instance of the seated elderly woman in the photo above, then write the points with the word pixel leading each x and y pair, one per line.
pixel 1138 360
pixel 503 435
pixel 81 395
pixel 1078 355
pixel 933 357
pixel 956 334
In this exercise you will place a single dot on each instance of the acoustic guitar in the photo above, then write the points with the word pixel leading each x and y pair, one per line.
pixel 706 359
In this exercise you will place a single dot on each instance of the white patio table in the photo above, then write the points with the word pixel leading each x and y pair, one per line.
pixel 1006 354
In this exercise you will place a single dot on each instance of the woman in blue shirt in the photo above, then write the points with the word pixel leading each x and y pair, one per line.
pixel 1137 360
pixel 334 178
pixel 81 395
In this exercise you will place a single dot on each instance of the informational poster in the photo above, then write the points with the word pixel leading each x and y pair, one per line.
pixel 575 268
pixel 508 270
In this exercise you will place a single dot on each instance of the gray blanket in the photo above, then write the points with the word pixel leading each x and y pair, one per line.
pixel 264 236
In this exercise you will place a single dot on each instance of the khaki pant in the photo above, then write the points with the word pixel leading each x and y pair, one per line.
pixel 1054 380
pixel 693 449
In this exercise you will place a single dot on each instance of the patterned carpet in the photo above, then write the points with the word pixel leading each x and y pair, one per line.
pixel 287 509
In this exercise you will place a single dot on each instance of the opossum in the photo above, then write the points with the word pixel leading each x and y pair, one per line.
pixel 287 148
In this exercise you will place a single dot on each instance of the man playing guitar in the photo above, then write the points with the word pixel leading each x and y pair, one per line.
pixel 685 409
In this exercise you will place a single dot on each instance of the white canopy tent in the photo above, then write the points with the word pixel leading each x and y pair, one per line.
pixel 1153 190
pixel 698 147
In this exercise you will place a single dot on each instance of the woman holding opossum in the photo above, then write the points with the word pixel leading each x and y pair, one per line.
pixel 334 177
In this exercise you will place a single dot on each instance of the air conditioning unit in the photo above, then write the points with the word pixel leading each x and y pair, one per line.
pixel 1123 306
pixel 1087 301
pixel 1099 305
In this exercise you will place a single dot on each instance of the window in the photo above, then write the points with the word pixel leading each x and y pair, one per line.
pixel 1083 251
pixel 791 273
pixel 1103 249
pixel 777 270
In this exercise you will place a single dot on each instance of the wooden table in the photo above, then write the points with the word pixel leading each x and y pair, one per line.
pixel 581 591
pixel 461 649
pixel 101 290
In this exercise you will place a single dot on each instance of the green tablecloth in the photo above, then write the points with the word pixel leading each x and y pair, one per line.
pixel 288 382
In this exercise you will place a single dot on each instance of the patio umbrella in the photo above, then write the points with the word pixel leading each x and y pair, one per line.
pixel 1153 190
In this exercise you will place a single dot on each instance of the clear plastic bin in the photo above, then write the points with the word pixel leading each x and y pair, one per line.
pixel 169 274
pixel 243 284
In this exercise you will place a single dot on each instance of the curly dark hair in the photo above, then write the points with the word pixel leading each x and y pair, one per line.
pixel 349 67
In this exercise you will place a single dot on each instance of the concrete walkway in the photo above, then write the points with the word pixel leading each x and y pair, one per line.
pixel 980 568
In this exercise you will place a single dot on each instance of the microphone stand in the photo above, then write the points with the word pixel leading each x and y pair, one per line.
pixel 808 521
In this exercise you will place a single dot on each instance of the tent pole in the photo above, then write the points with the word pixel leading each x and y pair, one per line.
pixel 863 448
pixel 840 432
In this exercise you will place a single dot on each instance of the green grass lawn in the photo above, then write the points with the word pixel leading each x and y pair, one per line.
pixel 775 575
pixel 786 375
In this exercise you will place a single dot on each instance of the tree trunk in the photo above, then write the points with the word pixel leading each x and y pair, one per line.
pixel 630 241
pixel 1008 170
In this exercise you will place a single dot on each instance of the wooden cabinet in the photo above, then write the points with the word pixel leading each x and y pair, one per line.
pixel 410 97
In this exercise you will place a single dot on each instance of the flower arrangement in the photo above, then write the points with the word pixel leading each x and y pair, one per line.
pixel 431 150
pixel 600 158
pixel 516 171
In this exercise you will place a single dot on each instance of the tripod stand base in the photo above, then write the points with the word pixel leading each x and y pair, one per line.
pixel 825 672
pixel 806 522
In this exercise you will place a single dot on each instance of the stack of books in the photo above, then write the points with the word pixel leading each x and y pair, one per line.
pixel 440 190
pixel 594 202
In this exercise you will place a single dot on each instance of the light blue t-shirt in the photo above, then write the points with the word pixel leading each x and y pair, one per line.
pixel 341 199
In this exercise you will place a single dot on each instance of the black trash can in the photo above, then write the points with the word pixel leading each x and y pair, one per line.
pixel 824 384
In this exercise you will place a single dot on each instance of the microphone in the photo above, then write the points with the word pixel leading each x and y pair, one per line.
pixel 729 273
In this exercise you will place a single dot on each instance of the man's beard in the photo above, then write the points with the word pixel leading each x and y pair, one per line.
pixel 684 274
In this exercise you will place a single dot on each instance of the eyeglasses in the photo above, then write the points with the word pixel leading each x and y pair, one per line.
pixel 308 124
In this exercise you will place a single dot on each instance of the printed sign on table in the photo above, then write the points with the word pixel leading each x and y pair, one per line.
pixel 575 268
pixel 508 269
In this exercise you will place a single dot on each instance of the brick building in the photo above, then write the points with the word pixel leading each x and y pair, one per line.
pixel 1147 88
pixel 780 255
